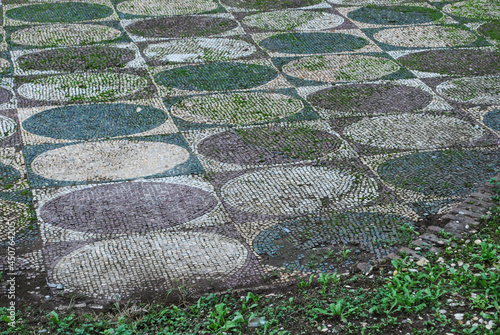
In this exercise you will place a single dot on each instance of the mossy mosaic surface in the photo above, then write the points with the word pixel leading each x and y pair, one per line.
pixel 163 143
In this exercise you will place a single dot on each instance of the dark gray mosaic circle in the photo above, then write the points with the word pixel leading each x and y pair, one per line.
pixel 8 175
pixel 313 43
pixel 492 119
pixel 268 145
pixel 463 62
pixel 267 5
pixel 83 122
pixel 5 95
pixel 395 15
pixel 371 98
pixel 76 59
pixel 222 76
pixel 127 207
pixel 181 26
pixel 59 12
pixel 447 173
pixel 312 244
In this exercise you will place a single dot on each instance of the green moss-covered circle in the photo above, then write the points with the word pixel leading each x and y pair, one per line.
pixel 395 15
pixel 441 173
pixel 491 30
pixel 59 12
pixel 313 43
pixel 222 76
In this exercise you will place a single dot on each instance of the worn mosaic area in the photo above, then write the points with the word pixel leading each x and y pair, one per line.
pixel 149 144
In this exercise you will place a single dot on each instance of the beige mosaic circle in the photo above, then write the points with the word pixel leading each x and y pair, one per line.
pixel 83 86
pixel 199 50
pixel 108 160
pixel 340 68
pixel 4 64
pixel 412 131
pixel 302 20
pixel 479 90
pixel 425 36
pixel 64 35
pixel 115 268
pixel 299 190
pixel 7 127
pixel 166 7
pixel 237 108
pixel 478 9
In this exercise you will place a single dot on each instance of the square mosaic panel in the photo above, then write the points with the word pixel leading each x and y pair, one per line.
pixel 89 122
pixel 81 163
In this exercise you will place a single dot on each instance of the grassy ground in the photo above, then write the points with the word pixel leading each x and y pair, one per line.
pixel 457 292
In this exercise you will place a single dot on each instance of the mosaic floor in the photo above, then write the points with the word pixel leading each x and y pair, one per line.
pixel 233 143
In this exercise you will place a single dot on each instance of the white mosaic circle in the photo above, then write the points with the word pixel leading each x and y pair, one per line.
pixel 131 263
pixel 108 160
pixel 479 90
pixel 237 108
pixel 479 9
pixel 7 127
pixel 340 68
pixel 412 131
pixel 425 36
pixel 302 20
pixel 166 7
pixel 83 86
pixel 299 190
pixel 199 50
pixel 64 35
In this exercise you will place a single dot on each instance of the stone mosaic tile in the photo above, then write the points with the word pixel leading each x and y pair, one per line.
pixel 129 9
pixel 95 121
pixel 160 28
pixel 488 116
pixel 77 87
pixel 10 135
pixel 315 43
pixel 65 35
pixel 76 59
pixel 5 64
pixel 58 12
pixel 7 95
pixel 238 108
pixel 109 160
pixel 372 98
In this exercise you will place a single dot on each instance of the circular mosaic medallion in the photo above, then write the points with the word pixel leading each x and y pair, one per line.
pixel 84 122
pixel 313 43
pixel 340 68
pixel 395 15
pixel 159 260
pixel 237 108
pixel 83 86
pixel 127 207
pixel 199 50
pixel 299 190
pixel 186 26
pixel 425 36
pixel 441 173
pixel 370 98
pixel 5 95
pixel 108 160
pixel 413 131
pixel 491 30
pixel 475 9
pixel 166 7
pixel 268 5
pixel 461 62
pixel 64 35
pixel 76 59
pixel 216 76
pixel 314 244
pixel 8 175
pixel 59 12
pixel 285 20
pixel 492 119
pixel 485 90
pixel 7 127
pixel 268 145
